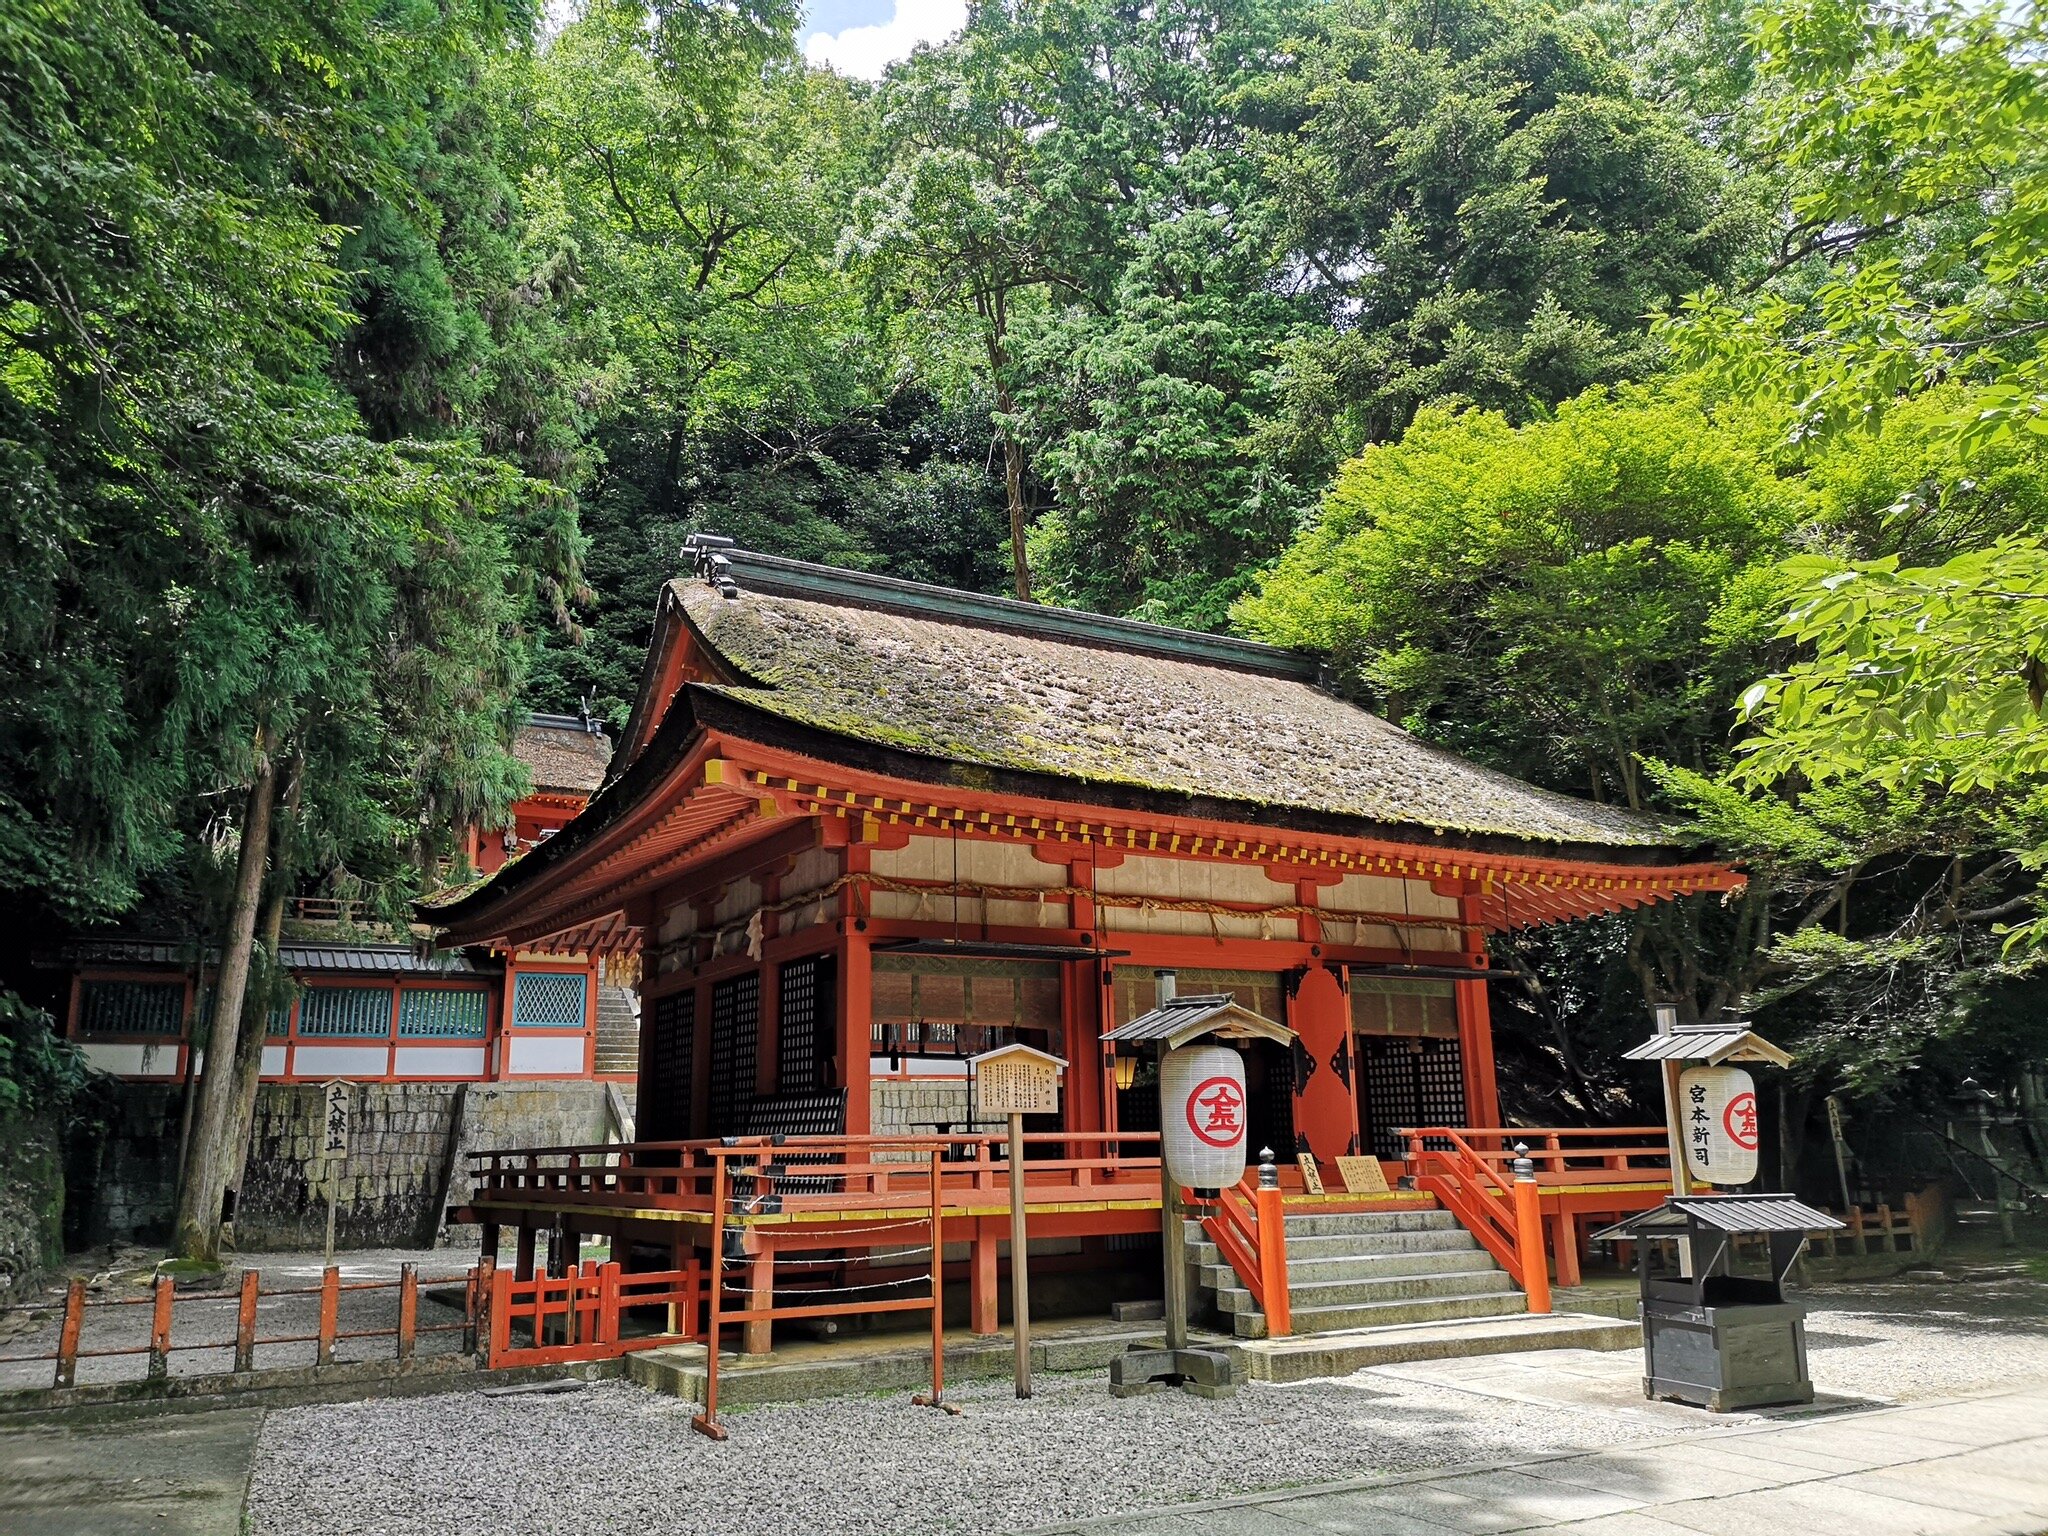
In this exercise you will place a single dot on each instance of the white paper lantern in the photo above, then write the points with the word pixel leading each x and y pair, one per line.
pixel 1718 1124
pixel 1202 1116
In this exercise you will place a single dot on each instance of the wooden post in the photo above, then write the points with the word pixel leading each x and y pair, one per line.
pixel 67 1335
pixel 330 1307
pixel 939 1284
pixel 1020 1262
pixel 245 1322
pixel 1270 1206
pixel 706 1423
pixel 522 1264
pixel 476 1325
pixel 408 1308
pixel 160 1330
pixel 1529 1231
pixel 1173 1239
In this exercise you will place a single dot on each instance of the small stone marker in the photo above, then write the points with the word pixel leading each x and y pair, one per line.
pixel 1362 1176
pixel 1311 1176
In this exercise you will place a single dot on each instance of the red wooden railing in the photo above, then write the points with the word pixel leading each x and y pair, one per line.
pixel 563 1319
pixel 1468 1169
pixel 1248 1225
pixel 83 1314
pixel 1469 1185
pixel 821 1173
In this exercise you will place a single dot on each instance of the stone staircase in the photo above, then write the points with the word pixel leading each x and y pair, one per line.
pixel 1363 1270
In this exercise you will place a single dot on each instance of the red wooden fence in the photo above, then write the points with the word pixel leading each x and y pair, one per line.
pixel 570 1318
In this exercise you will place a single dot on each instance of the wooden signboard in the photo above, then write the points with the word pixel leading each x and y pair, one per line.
pixel 1016 1080
pixel 1362 1176
pixel 1311 1176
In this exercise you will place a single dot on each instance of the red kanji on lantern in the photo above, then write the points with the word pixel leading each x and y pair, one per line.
pixel 1739 1120
pixel 1215 1112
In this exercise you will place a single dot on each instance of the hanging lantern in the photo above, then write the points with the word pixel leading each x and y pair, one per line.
pixel 1717 1111
pixel 1202 1116
pixel 1124 1066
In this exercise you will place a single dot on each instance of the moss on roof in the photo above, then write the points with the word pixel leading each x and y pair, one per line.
pixel 562 758
pixel 991 698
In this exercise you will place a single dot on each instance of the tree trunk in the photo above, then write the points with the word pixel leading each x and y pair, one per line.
pixel 249 1049
pixel 1013 486
pixel 196 1233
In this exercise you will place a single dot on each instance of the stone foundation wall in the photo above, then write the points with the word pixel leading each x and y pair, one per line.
pixel 911 1106
pixel 31 1199
pixel 389 1191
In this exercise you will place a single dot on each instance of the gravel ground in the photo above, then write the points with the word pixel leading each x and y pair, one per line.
pixel 615 1459
pixel 203 1324
pixel 1908 1341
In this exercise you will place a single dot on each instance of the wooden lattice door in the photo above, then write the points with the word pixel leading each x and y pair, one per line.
pixel 1408 1081
pixel 668 1047
pixel 735 1036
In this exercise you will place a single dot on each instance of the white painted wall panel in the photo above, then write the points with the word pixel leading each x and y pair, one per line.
pixel 438 1061
pixel 132 1060
pixel 325 1061
pixel 545 1055
pixel 273 1061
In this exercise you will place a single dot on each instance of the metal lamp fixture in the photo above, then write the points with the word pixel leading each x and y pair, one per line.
pixel 1125 1067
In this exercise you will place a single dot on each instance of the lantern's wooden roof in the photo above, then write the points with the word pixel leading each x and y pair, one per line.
pixel 1112 711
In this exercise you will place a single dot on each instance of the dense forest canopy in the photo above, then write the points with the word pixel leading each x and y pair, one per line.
pixel 1643 396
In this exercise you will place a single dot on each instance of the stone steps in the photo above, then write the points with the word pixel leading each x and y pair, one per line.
pixel 1381 1314
pixel 1303 1357
pixel 1364 1269
pixel 1218 1275
pixel 1321 1295
pixel 1359 1224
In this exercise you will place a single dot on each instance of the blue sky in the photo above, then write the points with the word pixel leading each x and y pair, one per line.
pixel 863 37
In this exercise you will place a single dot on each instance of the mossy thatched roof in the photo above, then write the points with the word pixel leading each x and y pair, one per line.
pixel 562 755
pixel 991 697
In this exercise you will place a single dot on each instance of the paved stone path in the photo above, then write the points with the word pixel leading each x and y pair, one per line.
pixel 1966 1467
pixel 180 1475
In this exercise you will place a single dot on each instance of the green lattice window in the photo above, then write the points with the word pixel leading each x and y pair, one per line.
pixel 351 1011
pixel 441 1013
pixel 131 1007
pixel 548 1000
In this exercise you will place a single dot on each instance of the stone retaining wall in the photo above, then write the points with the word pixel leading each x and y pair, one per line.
pixel 389 1191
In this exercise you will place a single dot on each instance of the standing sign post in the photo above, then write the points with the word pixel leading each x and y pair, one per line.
pixel 1015 1081
pixel 334 1119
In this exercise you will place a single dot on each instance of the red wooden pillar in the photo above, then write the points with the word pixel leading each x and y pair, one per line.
pixel 1325 1114
pixel 856 1007
pixel 1475 1026
pixel 983 1314
pixel 756 1338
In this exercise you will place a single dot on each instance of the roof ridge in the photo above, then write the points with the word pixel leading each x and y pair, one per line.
pixel 776 576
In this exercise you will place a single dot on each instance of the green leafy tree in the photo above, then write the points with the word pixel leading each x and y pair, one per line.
pixel 1480 207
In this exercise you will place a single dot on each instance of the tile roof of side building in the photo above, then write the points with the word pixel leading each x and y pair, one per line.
pixel 563 754
pixel 1132 706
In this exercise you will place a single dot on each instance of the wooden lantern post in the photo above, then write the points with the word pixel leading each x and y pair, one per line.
pixel 1015 1081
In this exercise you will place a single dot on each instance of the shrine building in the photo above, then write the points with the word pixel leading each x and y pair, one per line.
pixel 860 829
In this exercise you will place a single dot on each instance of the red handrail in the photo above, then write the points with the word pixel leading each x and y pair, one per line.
pixel 1474 1191
pixel 1248 1225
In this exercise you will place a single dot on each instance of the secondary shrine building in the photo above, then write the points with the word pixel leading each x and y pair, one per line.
pixel 860 829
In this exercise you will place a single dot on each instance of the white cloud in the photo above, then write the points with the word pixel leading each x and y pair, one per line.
pixel 865 52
